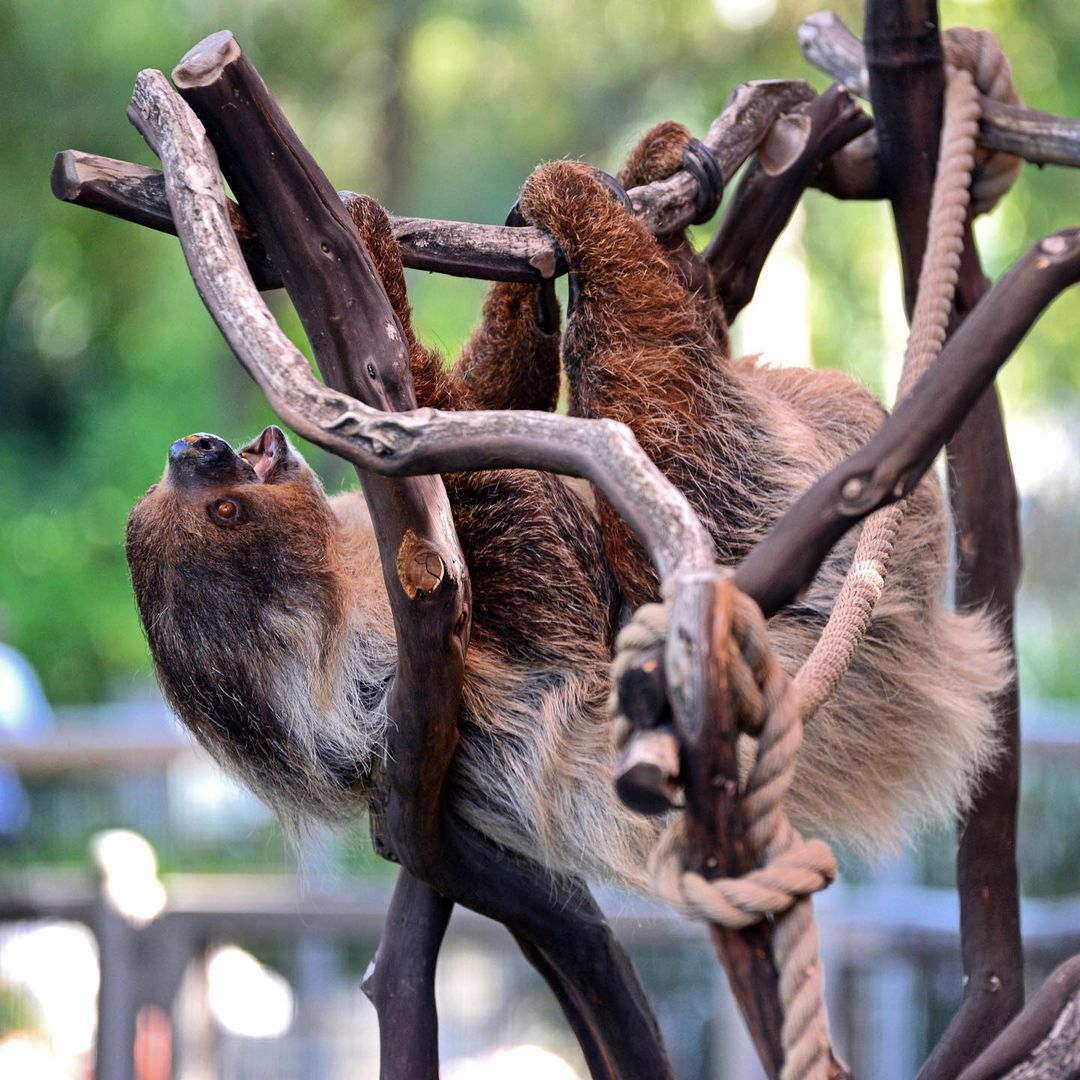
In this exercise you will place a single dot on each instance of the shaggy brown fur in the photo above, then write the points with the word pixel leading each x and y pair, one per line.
pixel 271 631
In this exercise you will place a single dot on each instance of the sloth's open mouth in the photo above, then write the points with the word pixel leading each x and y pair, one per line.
pixel 267 454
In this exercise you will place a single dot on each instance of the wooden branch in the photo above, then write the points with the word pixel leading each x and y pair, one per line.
pixel 771 186
pixel 699 690
pixel 360 348
pixel 135 193
pixel 904 60
pixel 783 565
pixel 491 252
pixel 400 981
pixel 667 206
pixel 1043 1042
pixel 853 171
pixel 472 871
pixel 1036 136
pixel 986 522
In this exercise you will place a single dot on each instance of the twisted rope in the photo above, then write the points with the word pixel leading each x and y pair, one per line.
pixel 975 63
pixel 766 701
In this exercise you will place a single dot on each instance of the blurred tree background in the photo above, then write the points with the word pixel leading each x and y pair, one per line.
pixel 439 109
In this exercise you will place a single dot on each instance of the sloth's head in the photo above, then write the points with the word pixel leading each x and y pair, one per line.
pixel 228 537
pixel 236 565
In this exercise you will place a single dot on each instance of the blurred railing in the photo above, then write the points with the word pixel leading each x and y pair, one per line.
pixel 889 940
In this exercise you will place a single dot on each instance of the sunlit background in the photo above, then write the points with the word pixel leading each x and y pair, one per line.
pixel 173 901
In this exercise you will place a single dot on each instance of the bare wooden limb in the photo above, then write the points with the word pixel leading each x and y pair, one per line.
pixel 1043 1042
pixel 136 193
pixel 698 685
pixel 771 187
pixel 906 80
pixel 491 252
pixel 465 249
pixel 360 348
pixel 668 205
pixel 400 980
pixel 853 171
pixel 783 565
pixel 1036 136
pixel 986 520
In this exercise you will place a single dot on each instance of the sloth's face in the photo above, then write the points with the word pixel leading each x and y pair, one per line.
pixel 258 514
pixel 226 541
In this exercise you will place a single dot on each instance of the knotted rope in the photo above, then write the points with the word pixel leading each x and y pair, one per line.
pixel 766 701
pixel 766 705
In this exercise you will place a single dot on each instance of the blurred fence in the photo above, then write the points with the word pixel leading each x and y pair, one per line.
pixel 232 962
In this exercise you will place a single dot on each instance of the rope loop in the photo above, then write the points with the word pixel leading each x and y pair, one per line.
pixel 765 702
pixel 979 53
pixel 701 163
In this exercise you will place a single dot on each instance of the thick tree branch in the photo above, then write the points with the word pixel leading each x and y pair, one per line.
pixel 667 206
pixel 492 252
pixel 771 186
pixel 1036 136
pixel 361 349
pixel 400 981
pixel 853 171
pixel 716 843
pixel 906 80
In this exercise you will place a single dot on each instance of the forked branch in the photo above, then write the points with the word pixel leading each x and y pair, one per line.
pixel 393 444
pixel 774 181
pixel 492 252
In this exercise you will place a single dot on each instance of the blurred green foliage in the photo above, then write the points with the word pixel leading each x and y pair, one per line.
pixel 440 109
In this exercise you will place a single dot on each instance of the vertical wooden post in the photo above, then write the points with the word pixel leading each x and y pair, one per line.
pixel 905 64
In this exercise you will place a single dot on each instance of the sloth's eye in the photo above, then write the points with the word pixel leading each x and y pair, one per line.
pixel 225 511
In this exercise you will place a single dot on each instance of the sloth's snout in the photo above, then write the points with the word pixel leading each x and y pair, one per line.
pixel 203 458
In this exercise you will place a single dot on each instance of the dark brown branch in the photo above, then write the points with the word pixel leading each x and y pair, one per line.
pixel 715 832
pixel 906 80
pixel 907 85
pixel 360 349
pixel 783 565
pixel 853 171
pixel 773 183
pixel 1038 137
pixel 491 252
pixel 985 515
pixel 1045 1036
pixel 601 993
pixel 400 980
pixel 667 206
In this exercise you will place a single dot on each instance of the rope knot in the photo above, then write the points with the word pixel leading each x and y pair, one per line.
pixel 979 53
pixel 766 705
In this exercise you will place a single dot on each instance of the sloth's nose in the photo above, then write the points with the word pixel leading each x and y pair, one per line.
pixel 200 446
pixel 206 458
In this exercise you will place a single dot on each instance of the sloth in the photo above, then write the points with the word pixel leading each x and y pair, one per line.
pixel 269 623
